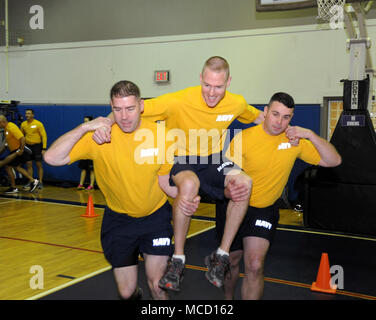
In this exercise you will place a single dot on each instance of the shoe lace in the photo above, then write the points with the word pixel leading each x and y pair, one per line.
pixel 221 264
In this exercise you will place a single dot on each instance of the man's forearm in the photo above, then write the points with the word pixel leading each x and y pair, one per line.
pixel 164 184
pixel 328 153
pixel 22 143
pixel 58 153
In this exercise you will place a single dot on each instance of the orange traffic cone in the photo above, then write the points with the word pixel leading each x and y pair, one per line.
pixel 90 209
pixel 322 283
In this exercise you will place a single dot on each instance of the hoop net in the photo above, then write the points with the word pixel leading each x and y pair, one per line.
pixel 326 8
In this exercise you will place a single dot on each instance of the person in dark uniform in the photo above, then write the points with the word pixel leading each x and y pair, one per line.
pixel 86 167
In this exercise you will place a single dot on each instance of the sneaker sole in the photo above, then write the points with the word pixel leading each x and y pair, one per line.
pixel 169 287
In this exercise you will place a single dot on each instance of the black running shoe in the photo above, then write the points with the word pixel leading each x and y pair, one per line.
pixel 218 266
pixel 34 185
pixel 173 276
pixel 11 190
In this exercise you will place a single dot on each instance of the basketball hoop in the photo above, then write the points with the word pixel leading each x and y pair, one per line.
pixel 329 8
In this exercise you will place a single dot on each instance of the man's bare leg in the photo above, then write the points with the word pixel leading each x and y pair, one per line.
pixel 126 280
pixel 188 186
pixel 155 267
pixel 255 250
pixel 238 189
pixel 231 278
pixel 39 166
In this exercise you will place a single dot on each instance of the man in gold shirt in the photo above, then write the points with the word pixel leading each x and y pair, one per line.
pixel 36 141
pixel 16 141
pixel 268 157
pixel 197 117
pixel 132 173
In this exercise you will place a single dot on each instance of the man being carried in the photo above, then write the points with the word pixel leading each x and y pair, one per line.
pixel 198 117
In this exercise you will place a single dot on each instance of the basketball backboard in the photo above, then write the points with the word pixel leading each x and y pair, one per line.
pixel 279 5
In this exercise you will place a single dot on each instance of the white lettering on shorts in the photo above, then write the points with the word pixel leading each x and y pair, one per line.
pixel 224 164
pixel 264 224
pixel 161 242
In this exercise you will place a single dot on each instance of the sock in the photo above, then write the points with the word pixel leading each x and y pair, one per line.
pixel 221 252
pixel 181 257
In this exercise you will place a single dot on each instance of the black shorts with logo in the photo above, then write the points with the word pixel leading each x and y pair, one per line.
pixel 210 170
pixel 258 222
pixel 124 238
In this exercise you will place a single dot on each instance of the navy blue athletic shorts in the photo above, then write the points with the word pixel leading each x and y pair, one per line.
pixel 258 222
pixel 210 170
pixel 36 151
pixel 19 160
pixel 124 238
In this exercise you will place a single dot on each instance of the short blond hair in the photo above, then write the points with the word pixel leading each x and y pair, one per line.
pixel 217 64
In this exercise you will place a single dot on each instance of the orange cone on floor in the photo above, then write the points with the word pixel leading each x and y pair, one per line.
pixel 90 209
pixel 322 283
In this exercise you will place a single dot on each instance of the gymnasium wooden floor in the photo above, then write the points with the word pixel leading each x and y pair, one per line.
pixel 45 229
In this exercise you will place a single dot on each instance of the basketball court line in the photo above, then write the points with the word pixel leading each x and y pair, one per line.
pixel 327 234
pixel 90 275
pixel 74 281
pixel 296 284
pixel 50 244
pixel 281 227
pixel 192 267
pixel 68 284
pixel 200 218
pixel 4 202
pixel 53 201
pixel 203 269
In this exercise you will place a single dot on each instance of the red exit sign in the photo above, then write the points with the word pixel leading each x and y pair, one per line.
pixel 162 76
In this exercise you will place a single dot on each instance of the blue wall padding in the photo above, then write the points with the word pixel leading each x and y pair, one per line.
pixel 59 119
